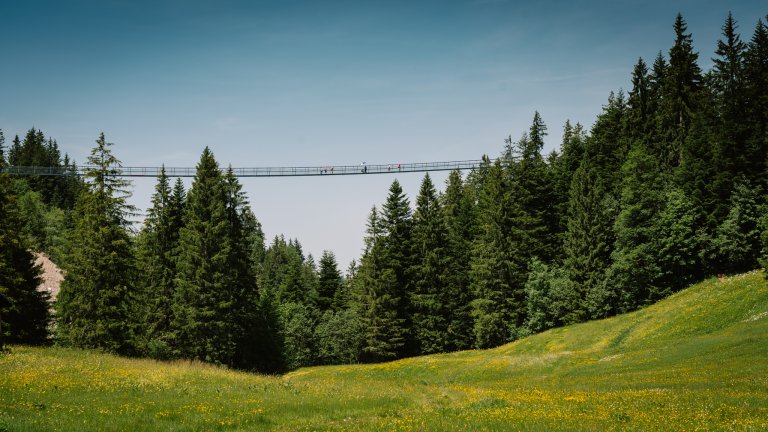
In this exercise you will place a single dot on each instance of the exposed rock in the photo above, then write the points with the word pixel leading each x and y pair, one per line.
pixel 51 277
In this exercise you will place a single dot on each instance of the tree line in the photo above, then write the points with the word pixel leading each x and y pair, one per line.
pixel 666 188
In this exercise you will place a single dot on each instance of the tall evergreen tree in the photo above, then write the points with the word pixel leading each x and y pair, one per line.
pixel 158 243
pixel 329 282
pixel 633 278
pixel 378 299
pixel 532 187
pixel 683 81
pixel 460 225
pixel 430 296
pixel 729 134
pixel 606 147
pixel 497 265
pixel 756 89
pixel 94 304
pixel 24 315
pixel 397 260
pixel 282 273
pixel 204 295
pixel 639 114
pixel 2 150
pixel 588 241
pixel 562 170
pixel 738 239
pixel 681 240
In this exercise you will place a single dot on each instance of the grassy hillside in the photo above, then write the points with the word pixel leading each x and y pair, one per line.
pixel 697 360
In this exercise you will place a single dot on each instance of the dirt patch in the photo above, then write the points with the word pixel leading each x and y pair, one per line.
pixel 51 277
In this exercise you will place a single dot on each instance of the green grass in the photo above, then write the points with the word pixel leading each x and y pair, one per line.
pixel 697 360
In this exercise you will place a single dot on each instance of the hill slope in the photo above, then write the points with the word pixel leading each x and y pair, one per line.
pixel 698 359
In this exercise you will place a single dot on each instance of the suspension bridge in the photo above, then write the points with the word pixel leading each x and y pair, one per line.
pixel 326 170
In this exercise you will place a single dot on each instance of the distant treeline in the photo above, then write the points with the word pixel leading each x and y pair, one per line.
pixel 667 188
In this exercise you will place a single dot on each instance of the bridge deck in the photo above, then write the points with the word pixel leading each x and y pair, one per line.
pixel 329 170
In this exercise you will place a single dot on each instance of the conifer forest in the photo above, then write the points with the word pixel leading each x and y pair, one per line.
pixel 668 187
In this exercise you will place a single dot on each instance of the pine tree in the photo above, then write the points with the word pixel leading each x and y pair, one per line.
pixel 2 151
pixel 562 172
pixel 681 241
pixel 24 315
pixel 532 186
pixel 94 304
pixel 700 175
pixel 756 89
pixel 639 115
pixel 158 243
pixel 14 151
pixel 497 264
pixel 243 228
pixel 588 241
pixel 657 79
pixel 329 282
pixel 259 343
pixel 459 219
pixel 737 241
pixel 397 261
pixel 204 295
pixel 633 278
pixel 606 147
pixel 729 133
pixel 683 81
pixel 430 296
pixel 282 273
pixel 377 299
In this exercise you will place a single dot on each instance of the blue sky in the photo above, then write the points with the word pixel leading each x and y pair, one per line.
pixel 325 82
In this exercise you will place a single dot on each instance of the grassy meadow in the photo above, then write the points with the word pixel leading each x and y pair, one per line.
pixel 695 361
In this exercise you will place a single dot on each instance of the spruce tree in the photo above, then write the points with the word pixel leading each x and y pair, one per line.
pixel 756 89
pixel 2 151
pixel 397 261
pixel 730 131
pixel 377 299
pixel 737 240
pixel 607 147
pixel 95 301
pixel 532 187
pixel 430 296
pixel 701 175
pixel 633 278
pixel 24 314
pixel 681 241
pixel 283 273
pixel 204 294
pixel 655 139
pixel 460 224
pixel 588 241
pixel 14 151
pixel 243 231
pixel 683 81
pixel 158 243
pixel 329 282
pixel 497 264
pixel 639 114
pixel 562 172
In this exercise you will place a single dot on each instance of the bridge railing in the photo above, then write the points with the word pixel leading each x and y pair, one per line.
pixel 327 170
